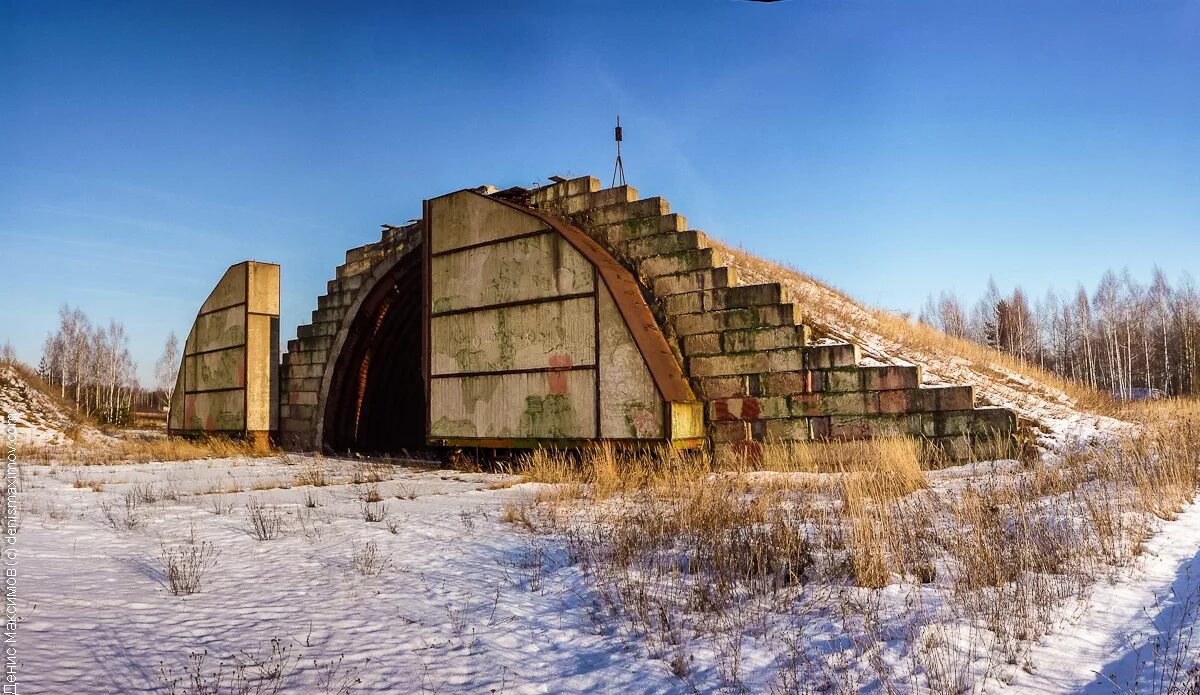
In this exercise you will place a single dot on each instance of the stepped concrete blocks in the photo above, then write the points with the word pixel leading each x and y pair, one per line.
pixel 749 408
pixel 570 205
pixel 848 403
pixel 731 431
pixel 793 382
pixel 723 387
pixel 624 212
pixel 852 427
pixel 796 429
pixel 929 399
pixel 745 340
pixel 678 262
pixel 658 244
pixel 990 420
pixel 734 319
pixel 621 232
pixel 831 356
pixel 747 363
pixel 693 281
pixel 564 189
pixel 740 297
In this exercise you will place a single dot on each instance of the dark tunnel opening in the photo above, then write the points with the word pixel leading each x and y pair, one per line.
pixel 376 402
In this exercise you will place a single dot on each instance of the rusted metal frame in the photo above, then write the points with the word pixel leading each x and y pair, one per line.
pixel 427 310
pixel 245 302
pixel 627 295
pixel 481 244
pixel 596 343
pixel 527 370
pixel 518 302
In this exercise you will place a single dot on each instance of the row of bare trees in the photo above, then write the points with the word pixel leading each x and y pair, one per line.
pixel 1129 338
pixel 90 365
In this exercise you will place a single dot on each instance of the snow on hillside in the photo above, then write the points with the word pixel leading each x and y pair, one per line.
pixel 1062 421
pixel 38 419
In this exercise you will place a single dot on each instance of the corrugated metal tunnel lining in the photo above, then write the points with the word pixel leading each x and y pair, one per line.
pixel 376 401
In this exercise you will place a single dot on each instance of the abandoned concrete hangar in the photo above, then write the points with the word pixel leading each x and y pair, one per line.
pixel 555 316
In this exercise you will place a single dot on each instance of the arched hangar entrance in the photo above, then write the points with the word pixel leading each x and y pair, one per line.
pixel 486 324
pixel 375 402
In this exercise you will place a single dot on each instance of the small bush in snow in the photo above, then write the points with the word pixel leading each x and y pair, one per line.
pixel 266 523
pixel 368 560
pixel 374 512
pixel 125 518
pixel 185 566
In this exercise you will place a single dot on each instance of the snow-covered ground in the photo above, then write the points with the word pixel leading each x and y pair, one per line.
pixel 466 604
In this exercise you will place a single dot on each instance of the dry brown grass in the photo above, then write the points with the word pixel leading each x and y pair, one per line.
pixel 144 451
pixel 681 546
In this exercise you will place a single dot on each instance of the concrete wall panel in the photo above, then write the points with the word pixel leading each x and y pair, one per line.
pixel 218 330
pixel 228 380
pixel 536 405
pixel 218 411
pixel 231 290
pixel 262 370
pixel 223 369
pixel 263 291
pixel 526 336
pixel 630 404
pixel 512 271
pixel 463 218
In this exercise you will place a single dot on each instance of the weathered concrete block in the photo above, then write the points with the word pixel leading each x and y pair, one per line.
pixel 732 319
pixel 848 403
pixel 731 431
pixel 989 420
pixel 328 315
pixel 678 262
pixel 696 280
pixel 564 189
pixel 658 244
pixel 947 423
pixel 790 383
pixel 644 226
pixel 748 408
pixel 769 338
pixel 872 378
pixel 623 212
pixel 797 429
pixel 831 356
pixel 569 205
pixel 871 426
pixel 300 371
pixel 302 398
pixel 711 388
pixel 724 298
pixel 928 399
pixel 702 344
pixel 746 363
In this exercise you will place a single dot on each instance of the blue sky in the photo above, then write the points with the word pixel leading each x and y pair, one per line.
pixel 891 149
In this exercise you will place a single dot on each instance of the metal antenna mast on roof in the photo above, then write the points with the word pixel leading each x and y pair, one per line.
pixel 619 167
